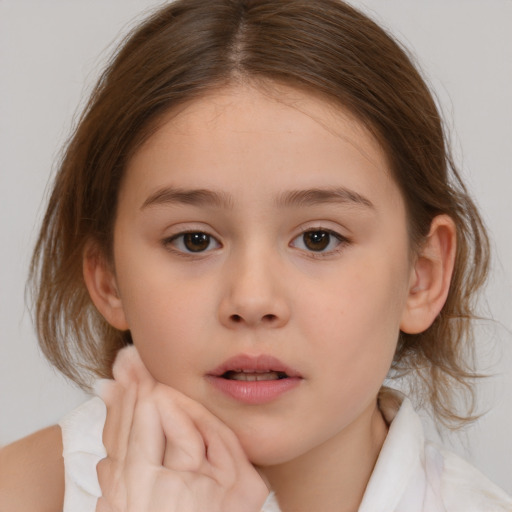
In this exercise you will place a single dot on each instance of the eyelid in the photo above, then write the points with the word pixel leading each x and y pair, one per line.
pixel 182 228
pixel 343 241
pixel 167 243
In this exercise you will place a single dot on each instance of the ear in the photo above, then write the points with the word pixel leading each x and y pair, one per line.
pixel 430 276
pixel 100 280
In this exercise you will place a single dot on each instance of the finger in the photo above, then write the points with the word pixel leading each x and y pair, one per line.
pixel 128 368
pixel 226 462
pixel 108 473
pixel 102 505
pixel 120 396
pixel 213 444
pixel 212 429
pixel 146 440
pixel 120 404
pixel 185 449
pixel 222 464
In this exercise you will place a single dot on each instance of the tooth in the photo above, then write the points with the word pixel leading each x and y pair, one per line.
pixel 254 376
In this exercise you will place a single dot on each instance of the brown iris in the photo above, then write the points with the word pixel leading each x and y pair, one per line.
pixel 196 242
pixel 316 240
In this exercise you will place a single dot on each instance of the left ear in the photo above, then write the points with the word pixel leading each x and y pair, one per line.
pixel 431 276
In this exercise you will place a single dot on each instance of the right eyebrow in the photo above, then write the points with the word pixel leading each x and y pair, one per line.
pixel 195 197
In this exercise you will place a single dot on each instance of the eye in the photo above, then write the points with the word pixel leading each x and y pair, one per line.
pixel 192 242
pixel 318 240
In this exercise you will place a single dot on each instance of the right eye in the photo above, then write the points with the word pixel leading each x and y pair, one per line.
pixel 192 242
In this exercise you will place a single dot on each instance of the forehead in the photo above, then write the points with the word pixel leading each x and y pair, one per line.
pixel 236 137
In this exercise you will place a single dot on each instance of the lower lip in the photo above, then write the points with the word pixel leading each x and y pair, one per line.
pixel 254 392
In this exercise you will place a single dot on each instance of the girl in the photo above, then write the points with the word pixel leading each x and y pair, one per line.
pixel 259 205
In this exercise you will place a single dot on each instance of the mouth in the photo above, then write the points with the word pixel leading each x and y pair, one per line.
pixel 254 380
pixel 257 368
pixel 251 376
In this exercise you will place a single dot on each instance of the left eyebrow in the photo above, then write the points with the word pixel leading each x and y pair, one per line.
pixel 316 196
pixel 194 197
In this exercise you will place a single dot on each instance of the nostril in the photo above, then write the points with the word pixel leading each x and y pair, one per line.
pixel 270 318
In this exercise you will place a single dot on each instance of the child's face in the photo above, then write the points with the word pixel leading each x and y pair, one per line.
pixel 297 248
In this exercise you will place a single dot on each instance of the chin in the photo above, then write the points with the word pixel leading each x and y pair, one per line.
pixel 267 440
pixel 267 449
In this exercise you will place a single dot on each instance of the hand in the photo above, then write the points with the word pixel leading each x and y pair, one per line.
pixel 168 453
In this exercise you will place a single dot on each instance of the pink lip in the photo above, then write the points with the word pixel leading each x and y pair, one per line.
pixel 254 392
pixel 259 363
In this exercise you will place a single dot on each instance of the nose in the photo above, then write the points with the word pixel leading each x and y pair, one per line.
pixel 254 294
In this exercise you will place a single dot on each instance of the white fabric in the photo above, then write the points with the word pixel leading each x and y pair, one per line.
pixel 411 475
pixel 82 432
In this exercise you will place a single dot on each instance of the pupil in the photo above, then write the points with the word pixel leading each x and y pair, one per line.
pixel 196 242
pixel 316 240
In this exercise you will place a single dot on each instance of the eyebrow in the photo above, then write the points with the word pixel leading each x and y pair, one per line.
pixel 317 196
pixel 293 198
pixel 195 197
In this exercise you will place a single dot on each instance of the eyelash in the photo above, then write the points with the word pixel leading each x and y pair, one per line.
pixel 171 243
pixel 342 242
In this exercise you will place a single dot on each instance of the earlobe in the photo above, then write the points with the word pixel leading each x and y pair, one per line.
pixel 431 276
pixel 101 283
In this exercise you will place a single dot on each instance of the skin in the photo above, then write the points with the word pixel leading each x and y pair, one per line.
pixel 32 473
pixel 333 314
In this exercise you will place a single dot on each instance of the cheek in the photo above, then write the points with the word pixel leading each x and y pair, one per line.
pixel 360 299
pixel 169 323
pixel 158 299
pixel 356 316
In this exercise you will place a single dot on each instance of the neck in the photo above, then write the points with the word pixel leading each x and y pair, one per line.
pixel 333 476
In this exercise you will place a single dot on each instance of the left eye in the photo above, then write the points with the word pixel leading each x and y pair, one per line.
pixel 193 242
pixel 318 240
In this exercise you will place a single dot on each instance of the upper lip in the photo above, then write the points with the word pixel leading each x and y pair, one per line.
pixel 254 363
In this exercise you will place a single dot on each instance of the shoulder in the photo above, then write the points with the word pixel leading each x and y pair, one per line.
pixel 434 478
pixel 32 473
pixel 462 486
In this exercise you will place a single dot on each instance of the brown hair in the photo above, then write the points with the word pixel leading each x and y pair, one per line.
pixel 190 47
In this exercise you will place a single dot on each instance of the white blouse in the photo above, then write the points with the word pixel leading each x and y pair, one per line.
pixel 411 474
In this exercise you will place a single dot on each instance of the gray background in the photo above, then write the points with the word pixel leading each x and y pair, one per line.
pixel 51 53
